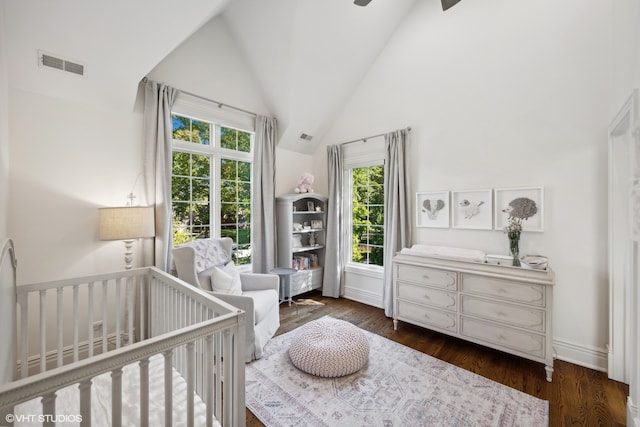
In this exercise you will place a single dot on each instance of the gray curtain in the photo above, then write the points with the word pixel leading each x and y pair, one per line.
pixel 263 216
pixel 397 207
pixel 333 285
pixel 158 101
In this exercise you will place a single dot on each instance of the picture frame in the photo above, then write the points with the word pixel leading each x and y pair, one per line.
pixel 311 206
pixel 504 199
pixel 472 209
pixel 316 224
pixel 432 209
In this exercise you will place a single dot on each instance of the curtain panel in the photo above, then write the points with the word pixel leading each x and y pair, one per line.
pixel 157 134
pixel 263 198
pixel 333 284
pixel 397 207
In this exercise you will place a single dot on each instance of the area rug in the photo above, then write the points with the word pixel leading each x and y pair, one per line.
pixel 398 387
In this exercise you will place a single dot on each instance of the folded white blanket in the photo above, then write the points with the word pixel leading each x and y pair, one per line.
pixel 448 252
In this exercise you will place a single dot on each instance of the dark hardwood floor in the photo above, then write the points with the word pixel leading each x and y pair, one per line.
pixel 577 396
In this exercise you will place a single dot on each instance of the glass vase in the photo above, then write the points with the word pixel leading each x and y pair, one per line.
pixel 514 248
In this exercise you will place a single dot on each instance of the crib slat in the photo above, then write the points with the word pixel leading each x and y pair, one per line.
pixel 90 316
pixel 49 408
pixel 144 392
pixel 85 403
pixel 191 377
pixel 59 326
pixel 117 319
pixel 43 330
pixel 105 316
pixel 209 378
pixel 218 365
pixel 23 300
pixel 116 397
pixel 76 321
pixel 129 312
pixel 143 309
pixel 168 388
pixel 227 385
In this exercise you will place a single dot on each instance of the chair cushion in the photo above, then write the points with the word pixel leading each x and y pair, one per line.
pixel 226 280
pixel 263 302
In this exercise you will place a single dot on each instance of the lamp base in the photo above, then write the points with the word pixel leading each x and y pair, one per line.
pixel 128 254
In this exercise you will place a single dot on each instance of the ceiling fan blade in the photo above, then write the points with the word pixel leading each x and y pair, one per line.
pixel 363 2
pixel 446 4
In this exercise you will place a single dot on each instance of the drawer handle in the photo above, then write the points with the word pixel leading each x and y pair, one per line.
pixel 501 337
pixel 501 314
pixel 427 297
pixel 425 277
pixel 502 291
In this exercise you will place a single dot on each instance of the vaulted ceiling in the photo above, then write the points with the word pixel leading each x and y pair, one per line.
pixel 308 56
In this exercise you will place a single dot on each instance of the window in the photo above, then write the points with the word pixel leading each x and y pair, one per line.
pixel 367 214
pixel 211 173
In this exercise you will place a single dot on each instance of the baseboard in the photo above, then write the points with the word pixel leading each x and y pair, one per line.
pixel 592 358
pixel 633 416
pixel 365 297
pixel 33 361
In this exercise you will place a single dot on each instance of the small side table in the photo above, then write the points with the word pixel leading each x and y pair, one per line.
pixel 285 283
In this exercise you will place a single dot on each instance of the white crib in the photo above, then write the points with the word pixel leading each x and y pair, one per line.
pixel 75 334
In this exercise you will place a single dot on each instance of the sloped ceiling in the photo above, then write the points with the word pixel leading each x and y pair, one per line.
pixel 119 41
pixel 309 56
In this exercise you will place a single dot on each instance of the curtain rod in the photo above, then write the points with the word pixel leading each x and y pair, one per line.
pixel 369 137
pixel 220 104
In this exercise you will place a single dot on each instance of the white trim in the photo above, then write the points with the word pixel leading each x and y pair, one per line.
pixel 366 297
pixel 588 357
pixel 205 110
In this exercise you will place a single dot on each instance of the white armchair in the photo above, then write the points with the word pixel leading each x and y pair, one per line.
pixel 196 262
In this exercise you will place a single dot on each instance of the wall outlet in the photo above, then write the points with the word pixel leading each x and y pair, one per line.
pixel 97 326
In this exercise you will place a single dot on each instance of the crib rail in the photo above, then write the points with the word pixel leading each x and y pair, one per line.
pixel 142 312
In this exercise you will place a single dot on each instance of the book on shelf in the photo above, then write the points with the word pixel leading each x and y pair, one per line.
pixel 304 262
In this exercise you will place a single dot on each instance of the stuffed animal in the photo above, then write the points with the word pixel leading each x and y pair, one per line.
pixel 304 184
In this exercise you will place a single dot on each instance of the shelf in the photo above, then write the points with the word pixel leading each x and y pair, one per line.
pixel 312 230
pixel 306 248
pixel 308 212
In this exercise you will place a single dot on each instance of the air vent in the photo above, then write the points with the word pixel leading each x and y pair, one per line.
pixel 51 61
pixel 305 137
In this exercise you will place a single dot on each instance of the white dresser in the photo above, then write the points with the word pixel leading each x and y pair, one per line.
pixel 502 307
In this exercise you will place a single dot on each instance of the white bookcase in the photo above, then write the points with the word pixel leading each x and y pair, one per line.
pixel 301 221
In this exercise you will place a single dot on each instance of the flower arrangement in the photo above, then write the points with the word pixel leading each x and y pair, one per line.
pixel 519 209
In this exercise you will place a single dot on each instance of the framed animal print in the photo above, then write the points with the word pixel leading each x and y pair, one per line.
pixel 432 209
pixel 526 203
pixel 472 209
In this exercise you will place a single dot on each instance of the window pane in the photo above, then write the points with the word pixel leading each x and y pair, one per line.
pixel 244 192
pixel 228 191
pixel 181 128
pixel 244 142
pixel 201 132
pixel 180 188
pixel 228 213
pixel 200 190
pixel 228 138
pixel 200 214
pixel 181 163
pixel 244 171
pixel 200 166
pixel 228 169
pixel 229 231
pixel 244 234
pixel 367 217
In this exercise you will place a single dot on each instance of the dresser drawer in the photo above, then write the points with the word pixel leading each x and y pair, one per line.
pixel 428 296
pixel 520 292
pixel 502 336
pixel 523 317
pixel 427 276
pixel 428 317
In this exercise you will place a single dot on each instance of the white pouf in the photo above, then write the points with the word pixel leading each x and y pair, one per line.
pixel 329 348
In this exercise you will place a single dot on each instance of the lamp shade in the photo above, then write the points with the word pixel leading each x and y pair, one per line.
pixel 124 223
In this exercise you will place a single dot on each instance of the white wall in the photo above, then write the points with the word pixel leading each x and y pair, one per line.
pixel 508 94
pixel 68 159
pixel 4 133
pixel 210 64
